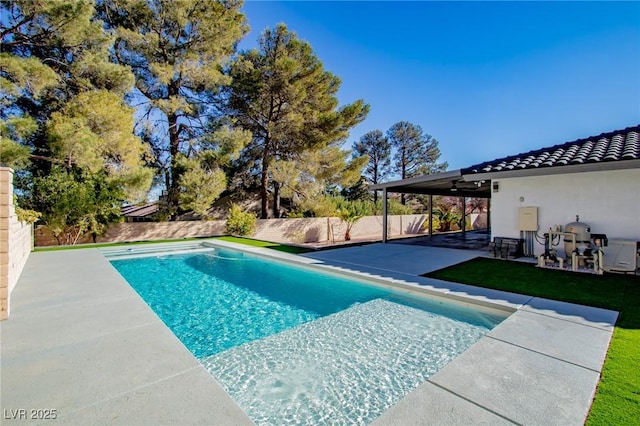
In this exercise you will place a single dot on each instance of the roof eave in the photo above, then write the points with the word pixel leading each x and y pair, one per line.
pixel 555 170
pixel 454 174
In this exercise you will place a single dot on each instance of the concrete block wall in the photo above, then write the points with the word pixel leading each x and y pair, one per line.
pixel 16 242
pixel 148 231
pixel 318 230
pixel 141 231
pixel 297 231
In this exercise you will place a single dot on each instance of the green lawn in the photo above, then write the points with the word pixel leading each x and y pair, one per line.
pixel 617 400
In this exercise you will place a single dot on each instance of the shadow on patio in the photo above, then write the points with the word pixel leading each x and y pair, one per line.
pixel 469 240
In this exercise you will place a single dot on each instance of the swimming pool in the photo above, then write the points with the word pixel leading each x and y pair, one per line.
pixel 293 345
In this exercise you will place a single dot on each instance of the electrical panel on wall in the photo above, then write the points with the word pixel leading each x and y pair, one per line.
pixel 528 218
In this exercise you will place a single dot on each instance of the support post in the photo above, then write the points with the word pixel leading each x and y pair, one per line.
pixel 489 216
pixel 384 215
pixel 430 215
pixel 464 215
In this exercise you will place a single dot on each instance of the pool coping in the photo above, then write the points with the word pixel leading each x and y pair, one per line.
pixel 541 365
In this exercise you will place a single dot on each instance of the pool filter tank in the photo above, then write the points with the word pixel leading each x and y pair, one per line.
pixel 582 233
pixel 582 249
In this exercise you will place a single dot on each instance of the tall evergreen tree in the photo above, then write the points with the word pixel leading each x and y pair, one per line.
pixel 416 153
pixel 377 147
pixel 282 94
pixel 177 50
pixel 64 123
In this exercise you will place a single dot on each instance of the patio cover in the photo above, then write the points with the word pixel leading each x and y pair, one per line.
pixel 452 183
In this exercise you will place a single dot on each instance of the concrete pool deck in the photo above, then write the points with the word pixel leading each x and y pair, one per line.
pixel 80 341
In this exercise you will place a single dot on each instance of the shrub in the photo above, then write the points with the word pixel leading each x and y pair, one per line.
pixel 26 215
pixel 436 224
pixel 240 223
pixel 350 212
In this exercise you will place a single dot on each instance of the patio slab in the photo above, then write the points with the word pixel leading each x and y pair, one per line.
pixel 51 327
pixel 186 399
pixel 65 278
pixel 429 404
pixel 519 384
pixel 414 260
pixel 486 295
pixel 79 374
pixel 558 338
pixel 586 315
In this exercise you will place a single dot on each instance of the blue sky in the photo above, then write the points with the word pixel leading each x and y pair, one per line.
pixel 486 79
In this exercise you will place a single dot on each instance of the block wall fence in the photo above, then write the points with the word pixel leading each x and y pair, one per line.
pixel 16 242
pixel 296 231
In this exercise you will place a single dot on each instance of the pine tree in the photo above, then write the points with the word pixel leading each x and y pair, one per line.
pixel 358 191
pixel 378 149
pixel 65 126
pixel 282 94
pixel 177 50
pixel 416 153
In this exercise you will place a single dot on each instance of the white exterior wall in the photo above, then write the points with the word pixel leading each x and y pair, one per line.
pixel 608 201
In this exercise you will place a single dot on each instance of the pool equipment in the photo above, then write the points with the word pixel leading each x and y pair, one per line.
pixel 577 237
pixel 583 250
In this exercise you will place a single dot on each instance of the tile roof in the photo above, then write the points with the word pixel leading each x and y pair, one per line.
pixel 140 210
pixel 620 145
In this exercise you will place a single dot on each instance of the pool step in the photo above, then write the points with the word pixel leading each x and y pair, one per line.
pixel 145 250
pixel 346 368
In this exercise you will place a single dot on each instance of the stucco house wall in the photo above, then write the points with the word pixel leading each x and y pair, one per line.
pixel 608 201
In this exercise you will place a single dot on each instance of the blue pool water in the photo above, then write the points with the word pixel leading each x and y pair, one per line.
pixel 295 346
